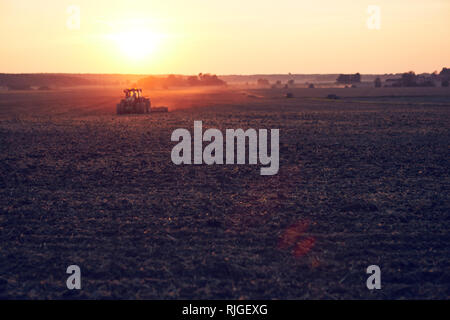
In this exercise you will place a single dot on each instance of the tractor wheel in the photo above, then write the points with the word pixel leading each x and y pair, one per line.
pixel 142 107
pixel 122 108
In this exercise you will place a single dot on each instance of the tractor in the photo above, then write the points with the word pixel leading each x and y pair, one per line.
pixel 134 102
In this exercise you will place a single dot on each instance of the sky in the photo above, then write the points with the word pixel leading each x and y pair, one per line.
pixel 224 37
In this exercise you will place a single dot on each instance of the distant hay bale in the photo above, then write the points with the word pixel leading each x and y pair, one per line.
pixel 333 97
pixel 311 86
pixel 289 95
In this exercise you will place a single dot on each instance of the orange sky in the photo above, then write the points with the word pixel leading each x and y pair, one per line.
pixel 223 37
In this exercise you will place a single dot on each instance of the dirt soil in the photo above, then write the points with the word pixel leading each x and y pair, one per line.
pixel 361 182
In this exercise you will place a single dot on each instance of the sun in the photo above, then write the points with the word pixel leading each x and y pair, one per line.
pixel 137 45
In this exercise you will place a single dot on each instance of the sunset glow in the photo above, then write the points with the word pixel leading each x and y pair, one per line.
pixel 136 45
pixel 229 37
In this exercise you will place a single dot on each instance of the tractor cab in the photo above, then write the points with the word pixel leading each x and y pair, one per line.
pixel 134 102
pixel 135 94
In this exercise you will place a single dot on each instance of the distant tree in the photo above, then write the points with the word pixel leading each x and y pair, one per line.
pixel 193 81
pixel 445 71
pixel 409 79
pixel 203 79
pixel 263 82
pixel 349 78
pixel 18 86
pixel 172 81
pixel 445 74
pixel 430 83
pixel 207 79
pixel 311 86
pixel 377 83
